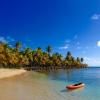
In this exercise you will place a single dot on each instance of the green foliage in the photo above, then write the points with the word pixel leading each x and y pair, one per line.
pixel 13 57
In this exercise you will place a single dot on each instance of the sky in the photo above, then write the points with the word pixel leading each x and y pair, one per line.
pixel 66 25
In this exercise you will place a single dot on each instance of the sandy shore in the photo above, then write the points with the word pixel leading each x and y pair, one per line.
pixel 5 73
pixel 31 86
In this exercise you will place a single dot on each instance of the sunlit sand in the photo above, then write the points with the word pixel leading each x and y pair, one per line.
pixel 5 73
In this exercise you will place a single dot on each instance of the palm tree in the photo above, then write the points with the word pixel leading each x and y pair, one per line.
pixel 39 48
pixel 49 49
pixel 69 53
pixel 57 61
pixel 17 46
pixel 69 59
pixel 59 56
pixel 1 47
pixel 69 56
pixel 78 60
pixel 23 60
pixel 5 52
pixel 82 59
pixel 29 55
pixel 37 57
pixel 27 51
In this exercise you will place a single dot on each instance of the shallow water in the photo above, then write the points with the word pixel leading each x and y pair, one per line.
pixel 52 85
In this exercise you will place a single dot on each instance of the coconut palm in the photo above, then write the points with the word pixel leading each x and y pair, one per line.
pixel 69 56
pixel 78 60
pixel 29 55
pixel 49 49
pixel 17 46
pixel 82 59
pixel 4 50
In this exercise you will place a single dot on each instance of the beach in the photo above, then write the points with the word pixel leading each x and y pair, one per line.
pixel 30 86
pixel 40 86
pixel 6 73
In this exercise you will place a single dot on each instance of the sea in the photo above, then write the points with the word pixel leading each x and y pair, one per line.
pixel 52 85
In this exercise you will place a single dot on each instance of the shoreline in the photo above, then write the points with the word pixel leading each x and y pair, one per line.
pixel 7 73
pixel 39 86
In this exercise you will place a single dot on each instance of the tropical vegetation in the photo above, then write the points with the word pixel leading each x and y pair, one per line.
pixel 15 57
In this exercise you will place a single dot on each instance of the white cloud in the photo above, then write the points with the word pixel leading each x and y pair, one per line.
pixel 95 17
pixel 10 39
pixel 68 41
pixel 64 47
pixel 10 45
pixel 6 39
pixel 87 58
pixel 92 61
pixel 98 43
pixel 2 39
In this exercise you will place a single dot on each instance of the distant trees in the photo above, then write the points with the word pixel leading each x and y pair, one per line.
pixel 15 58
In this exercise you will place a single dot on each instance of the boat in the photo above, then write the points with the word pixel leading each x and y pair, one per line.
pixel 75 86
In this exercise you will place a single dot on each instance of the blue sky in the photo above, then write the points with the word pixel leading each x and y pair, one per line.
pixel 68 25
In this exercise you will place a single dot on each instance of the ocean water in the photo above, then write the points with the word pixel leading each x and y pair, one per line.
pixel 89 76
pixel 52 85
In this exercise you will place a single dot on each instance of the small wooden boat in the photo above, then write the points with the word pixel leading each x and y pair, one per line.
pixel 75 86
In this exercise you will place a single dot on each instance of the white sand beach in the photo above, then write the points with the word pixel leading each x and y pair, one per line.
pixel 30 86
pixel 5 73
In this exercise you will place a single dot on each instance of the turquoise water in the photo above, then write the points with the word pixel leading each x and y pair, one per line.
pixel 52 85
pixel 89 76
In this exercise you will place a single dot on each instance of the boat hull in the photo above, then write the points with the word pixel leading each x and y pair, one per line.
pixel 75 87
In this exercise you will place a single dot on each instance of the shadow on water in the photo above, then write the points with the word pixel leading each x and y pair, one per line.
pixel 71 90
pixel 62 75
pixel 64 90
